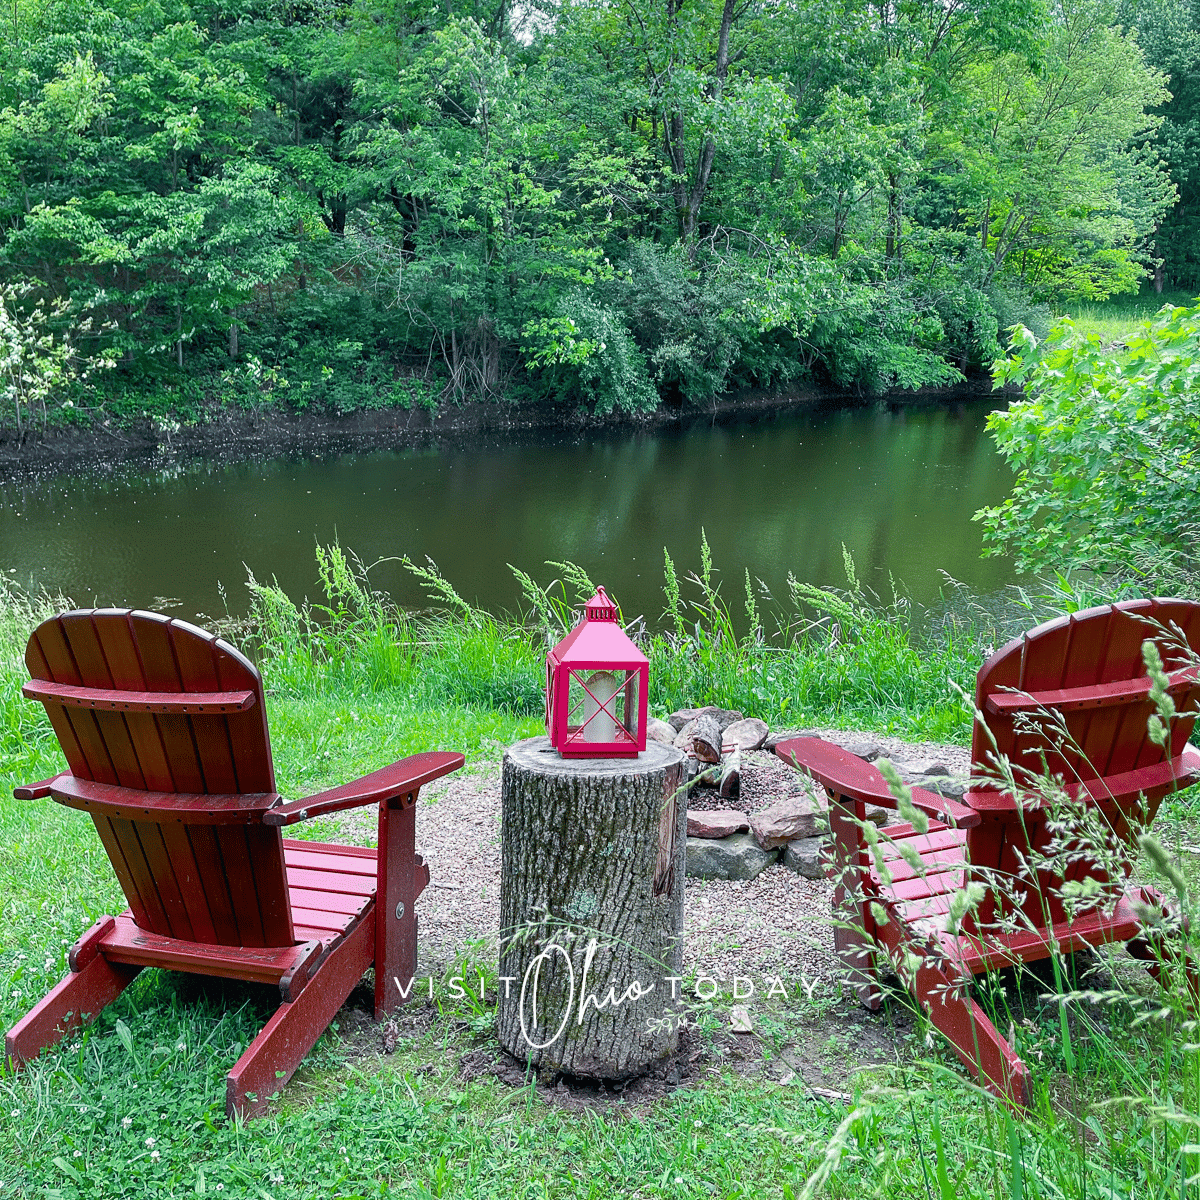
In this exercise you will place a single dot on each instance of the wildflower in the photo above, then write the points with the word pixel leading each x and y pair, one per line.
pixel 78 1153
pixel 698 1124
pixel 154 1155
pixel 220 1187
pixel 181 1047
pixel 16 1112
pixel 162 1116
pixel 150 1142
pixel 126 1122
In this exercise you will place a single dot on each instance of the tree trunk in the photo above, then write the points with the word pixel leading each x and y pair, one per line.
pixel 591 909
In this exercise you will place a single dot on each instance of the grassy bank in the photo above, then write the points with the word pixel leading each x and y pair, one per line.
pixel 134 1106
pixel 1113 320
pixel 819 656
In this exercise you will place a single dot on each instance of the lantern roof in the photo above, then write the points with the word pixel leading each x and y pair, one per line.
pixel 600 607
pixel 598 640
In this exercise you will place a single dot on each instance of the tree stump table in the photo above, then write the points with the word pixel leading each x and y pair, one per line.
pixel 593 859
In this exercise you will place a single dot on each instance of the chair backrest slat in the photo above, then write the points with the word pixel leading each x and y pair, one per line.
pixel 1096 646
pixel 222 885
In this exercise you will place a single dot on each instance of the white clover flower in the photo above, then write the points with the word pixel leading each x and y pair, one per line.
pixel 154 1155
pixel 16 1112
pixel 78 1153
pixel 126 1122
pixel 698 1124
pixel 181 1047
pixel 220 1187
pixel 150 1142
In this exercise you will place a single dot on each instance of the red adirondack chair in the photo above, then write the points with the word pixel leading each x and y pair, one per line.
pixel 1075 691
pixel 165 735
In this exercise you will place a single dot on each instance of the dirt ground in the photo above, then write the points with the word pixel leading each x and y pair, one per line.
pixel 776 925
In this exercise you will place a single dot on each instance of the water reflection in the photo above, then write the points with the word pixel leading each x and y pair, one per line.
pixel 897 488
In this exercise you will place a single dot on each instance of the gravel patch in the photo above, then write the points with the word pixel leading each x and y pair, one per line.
pixel 777 924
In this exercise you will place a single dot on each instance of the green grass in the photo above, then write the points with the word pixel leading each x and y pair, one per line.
pixel 354 686
pixel 822 656
pixel 1115 319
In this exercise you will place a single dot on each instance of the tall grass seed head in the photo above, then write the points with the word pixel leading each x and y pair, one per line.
pixel 903 795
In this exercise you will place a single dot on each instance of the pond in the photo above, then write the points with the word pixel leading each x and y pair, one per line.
pixel 896 486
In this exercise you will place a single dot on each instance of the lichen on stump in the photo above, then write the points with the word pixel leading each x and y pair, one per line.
pixel 593 864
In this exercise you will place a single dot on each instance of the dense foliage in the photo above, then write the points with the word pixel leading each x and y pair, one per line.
pixel 1106 449
pixel 358 204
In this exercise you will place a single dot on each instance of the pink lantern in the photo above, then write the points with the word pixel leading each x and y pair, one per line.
pixel 596 684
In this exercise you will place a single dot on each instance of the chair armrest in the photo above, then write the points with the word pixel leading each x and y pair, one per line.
pixel 847 775
pixel 397 780
pixel 34 791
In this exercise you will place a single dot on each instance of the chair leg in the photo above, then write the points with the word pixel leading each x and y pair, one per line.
pixel 77 998
pixel 853 922
pixel 403 876
pixel 966 1027
pixel 272 1058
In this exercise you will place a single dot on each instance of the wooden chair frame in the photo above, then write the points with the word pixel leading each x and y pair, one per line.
pixel 164 729
pixel 1083 675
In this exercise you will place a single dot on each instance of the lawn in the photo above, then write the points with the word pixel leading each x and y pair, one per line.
pixel 1113 320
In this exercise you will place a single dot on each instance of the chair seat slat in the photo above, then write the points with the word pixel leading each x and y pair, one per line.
pixel 115 700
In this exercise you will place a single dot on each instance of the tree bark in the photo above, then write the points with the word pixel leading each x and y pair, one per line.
pixel 593 856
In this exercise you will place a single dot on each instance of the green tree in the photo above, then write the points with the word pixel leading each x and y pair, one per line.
pixel 1106 446
pixel 1050 162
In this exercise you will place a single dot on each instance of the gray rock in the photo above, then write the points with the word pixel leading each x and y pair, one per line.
pixel 746 735
pixel 806 856
pixel 773 739
pixel 865 748
pixel 718 823
pixel 787 819
pixel 914 770
pixel 877 814
pixel 736 857
pixel 945 785
pixel 724 716
pixel 660 731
